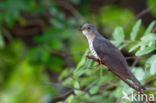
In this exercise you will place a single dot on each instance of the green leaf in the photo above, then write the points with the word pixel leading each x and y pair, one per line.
pixel 149 37
pixel 139 70
pixel 76 85
pixel 150 27
pixel 152 62
pixel 94 90
pixel 2 43
pixel 83 59
pixel 151 59
pixel 135 30
pixel 144 43
pixel 117 93
pixel 122 46
pixel 153 67
pixel 118 34
pixel 145 51
pixel 78 92
pixel 134 47
pixel 70 99
pixel 65 73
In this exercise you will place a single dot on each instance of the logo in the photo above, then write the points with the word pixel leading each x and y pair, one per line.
pixel 137 96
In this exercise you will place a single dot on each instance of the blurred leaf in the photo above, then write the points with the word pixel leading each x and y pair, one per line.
pixel 57 23
pixel 149 37
pixel 135 30
pixel 145 51
pixel 94 90
pixel 55 44
pixel 70 99
pixel 75 1
pixel 65 73
pixel 55 63
pixel 118 34
pixel 76 85
pixel 65 34
pixel 2 43
pixel 71 21
pixel 68 82
pixel 22 21
pixel 150 27
pixel 151 3
pixel 117 93
pixel 139 70
pixel 83 59
pixel 134 47
pixel 153 67
pixel 151 59
pixel 112 16
pixel 78 92
pixel 122 46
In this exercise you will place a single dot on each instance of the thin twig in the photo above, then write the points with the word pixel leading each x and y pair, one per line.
pixel 93 58
pixel 145 11
pixel 128 83
pixel 135 62
pixel 63 97
pixel 150 80
pixel 133 57
pixel 70 8
pixel 150 88
pixel 154 30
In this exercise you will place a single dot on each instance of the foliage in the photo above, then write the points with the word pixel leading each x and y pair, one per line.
pixel 91 85
pixel 40 42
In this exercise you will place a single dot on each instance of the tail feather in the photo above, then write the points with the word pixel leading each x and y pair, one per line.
pixel 141 87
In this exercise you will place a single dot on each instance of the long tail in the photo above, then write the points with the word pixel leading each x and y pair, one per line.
pixel 137 83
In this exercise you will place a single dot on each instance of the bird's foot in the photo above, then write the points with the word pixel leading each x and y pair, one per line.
pixel 100 62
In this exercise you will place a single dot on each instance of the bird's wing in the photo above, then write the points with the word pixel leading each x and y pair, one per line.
pixel 111 57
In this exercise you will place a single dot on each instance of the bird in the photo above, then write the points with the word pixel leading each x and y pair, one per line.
pixel 103 50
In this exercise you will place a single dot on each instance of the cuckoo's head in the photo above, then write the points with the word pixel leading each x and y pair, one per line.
pixel 88 30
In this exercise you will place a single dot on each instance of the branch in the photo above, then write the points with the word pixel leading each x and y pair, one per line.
pixel 150 80
pixel 132 57
pixel 70 8
pixel 62 98
pixel 93 58
pixel 145 11
pixel 127 82
pixel 135 62
pixel 154 30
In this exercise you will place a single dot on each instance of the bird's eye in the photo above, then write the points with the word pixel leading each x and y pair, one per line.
pixel 88 28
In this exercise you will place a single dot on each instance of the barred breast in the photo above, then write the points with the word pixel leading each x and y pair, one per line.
pixel 92 49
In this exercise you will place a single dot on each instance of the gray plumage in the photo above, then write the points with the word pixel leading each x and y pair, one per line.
pixel 104 50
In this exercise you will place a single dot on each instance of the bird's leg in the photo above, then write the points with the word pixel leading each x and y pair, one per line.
pixel 92 57
pixel 100 62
